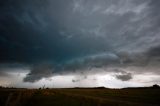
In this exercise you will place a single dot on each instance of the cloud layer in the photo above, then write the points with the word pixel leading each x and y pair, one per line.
pixel 80 36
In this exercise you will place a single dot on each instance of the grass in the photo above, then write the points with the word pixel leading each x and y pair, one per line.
pixel 80 97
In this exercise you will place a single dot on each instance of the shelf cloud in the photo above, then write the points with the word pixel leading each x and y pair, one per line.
pixel 59 37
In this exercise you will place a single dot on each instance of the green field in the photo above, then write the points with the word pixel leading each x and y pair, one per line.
pixel 80 97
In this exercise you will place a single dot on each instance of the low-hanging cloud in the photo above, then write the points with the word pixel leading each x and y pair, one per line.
pixel 38 72
pixel 123 76
pixel 4 74
pixel 104 61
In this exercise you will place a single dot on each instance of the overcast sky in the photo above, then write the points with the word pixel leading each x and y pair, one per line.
pixel 79 43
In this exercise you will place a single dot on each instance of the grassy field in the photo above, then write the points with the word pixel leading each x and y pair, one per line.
pixel 80 97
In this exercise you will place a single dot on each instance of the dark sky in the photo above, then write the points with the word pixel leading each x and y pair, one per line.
pixel 79 37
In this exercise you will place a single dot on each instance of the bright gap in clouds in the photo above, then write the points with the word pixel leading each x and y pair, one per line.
pixel 69 81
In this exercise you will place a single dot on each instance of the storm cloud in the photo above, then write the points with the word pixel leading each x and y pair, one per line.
pixel 78 36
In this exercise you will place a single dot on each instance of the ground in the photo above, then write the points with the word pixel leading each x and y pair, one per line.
pixel 80 97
